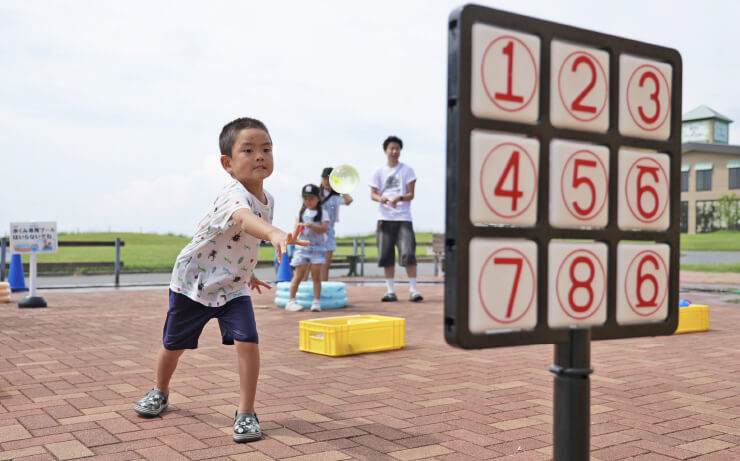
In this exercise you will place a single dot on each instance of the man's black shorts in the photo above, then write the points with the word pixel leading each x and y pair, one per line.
pixel 393 234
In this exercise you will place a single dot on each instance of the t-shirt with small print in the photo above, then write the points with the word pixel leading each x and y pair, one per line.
pixel 215 267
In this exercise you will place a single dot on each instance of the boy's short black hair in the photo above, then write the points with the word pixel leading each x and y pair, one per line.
pixel 231 129
pixel 391 139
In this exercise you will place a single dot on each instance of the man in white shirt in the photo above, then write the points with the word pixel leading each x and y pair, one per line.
pixel 393 186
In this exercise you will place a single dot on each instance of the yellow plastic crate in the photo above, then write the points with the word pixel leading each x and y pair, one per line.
pixel 693 318
pixel 352 334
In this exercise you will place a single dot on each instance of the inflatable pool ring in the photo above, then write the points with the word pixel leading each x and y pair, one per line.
pixel 333 294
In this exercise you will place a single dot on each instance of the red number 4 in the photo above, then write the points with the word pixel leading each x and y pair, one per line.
pixel 514 192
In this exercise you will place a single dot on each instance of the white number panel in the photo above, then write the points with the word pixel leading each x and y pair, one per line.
pixel 579 93
pixel 642 283
pixel 644 190
pixel 503 288
pixel 579 184
pixel 577 284
pixel 504 173
pixel 644 98
pixel 505 75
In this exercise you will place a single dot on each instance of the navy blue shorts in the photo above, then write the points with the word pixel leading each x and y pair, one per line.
pixel 186 319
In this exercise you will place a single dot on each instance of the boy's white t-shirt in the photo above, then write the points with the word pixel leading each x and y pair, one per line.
pixel 392 182
pixel 215 267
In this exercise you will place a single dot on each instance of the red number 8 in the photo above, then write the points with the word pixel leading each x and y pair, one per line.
pixel 585 284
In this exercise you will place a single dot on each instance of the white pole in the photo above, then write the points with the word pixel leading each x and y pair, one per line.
pixel 32 280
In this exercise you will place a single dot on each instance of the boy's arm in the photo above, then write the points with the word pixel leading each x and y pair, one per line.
pixel 254 225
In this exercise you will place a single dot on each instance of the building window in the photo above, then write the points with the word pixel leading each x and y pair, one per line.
pixel 684 222
pixel 733 169
pixel 685 181
pixel 703 176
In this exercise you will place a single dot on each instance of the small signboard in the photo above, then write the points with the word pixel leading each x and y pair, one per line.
pixel 33 237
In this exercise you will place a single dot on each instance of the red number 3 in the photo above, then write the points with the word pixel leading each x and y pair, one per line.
pixel 654 97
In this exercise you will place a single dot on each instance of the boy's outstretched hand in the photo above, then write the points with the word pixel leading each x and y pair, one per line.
pixel 280 241
pixel 255 284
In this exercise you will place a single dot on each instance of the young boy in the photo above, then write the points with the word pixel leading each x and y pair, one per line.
pixel 212 273
pixel 393 186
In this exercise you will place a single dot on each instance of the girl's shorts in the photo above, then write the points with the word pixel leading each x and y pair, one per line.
pixel 186 319
pixel 310 254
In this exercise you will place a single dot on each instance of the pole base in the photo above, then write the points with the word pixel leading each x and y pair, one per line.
pixel 32 301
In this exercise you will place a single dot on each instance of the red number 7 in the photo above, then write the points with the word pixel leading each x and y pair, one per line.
pixel 518 263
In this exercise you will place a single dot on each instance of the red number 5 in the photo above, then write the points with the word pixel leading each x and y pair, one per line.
pixel 577 181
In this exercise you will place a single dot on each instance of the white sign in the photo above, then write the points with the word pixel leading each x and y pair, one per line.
pixel 33 237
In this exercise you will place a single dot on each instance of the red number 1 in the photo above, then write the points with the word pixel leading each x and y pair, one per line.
pixel 509 95
pixel 518 263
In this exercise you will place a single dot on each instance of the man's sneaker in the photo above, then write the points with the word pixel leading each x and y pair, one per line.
pixel 316 305
pixel 293 306
pixel 388 297
pixel 415 297
pixel 246 427
pixel 153 403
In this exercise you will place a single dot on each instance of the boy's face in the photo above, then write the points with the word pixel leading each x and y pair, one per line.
pixel 393 152
pixel 251 157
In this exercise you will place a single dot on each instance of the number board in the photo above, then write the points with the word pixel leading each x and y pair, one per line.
pixel 563 154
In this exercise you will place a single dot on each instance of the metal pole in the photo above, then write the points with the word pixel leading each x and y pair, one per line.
pixel 572 397
pixel 2 259
pixel 118 259
pixel 32 277
pixel 362 259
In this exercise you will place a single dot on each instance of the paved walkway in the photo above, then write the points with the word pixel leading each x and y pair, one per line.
pixel 70 373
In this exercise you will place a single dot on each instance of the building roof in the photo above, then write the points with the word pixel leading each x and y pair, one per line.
pixel 702 113
pixel 713 148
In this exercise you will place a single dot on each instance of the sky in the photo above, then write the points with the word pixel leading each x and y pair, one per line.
pixel 110 111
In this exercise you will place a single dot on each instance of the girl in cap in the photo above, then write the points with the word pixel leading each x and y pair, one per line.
pixel 315 224
pixel 330 201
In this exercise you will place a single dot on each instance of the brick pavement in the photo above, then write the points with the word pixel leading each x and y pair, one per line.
pixel 69 375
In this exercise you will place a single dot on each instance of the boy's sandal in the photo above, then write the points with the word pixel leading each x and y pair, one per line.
pixel 153 403
pixel 246 427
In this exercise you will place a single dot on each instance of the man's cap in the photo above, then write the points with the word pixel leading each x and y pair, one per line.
pixel 310 190
pixel 326 171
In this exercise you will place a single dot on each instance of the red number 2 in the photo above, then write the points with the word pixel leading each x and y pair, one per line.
pixel 576 104
pixel 518 263
pixel 514 192
pixel 509 95
pixel 577 181
pixel 585 284
pixel 653 97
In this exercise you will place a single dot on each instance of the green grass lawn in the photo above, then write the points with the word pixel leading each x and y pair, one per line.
pixel 712 241
pixel 157 252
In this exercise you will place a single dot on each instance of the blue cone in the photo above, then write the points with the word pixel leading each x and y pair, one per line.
pixel 15 276
pixel 285 274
